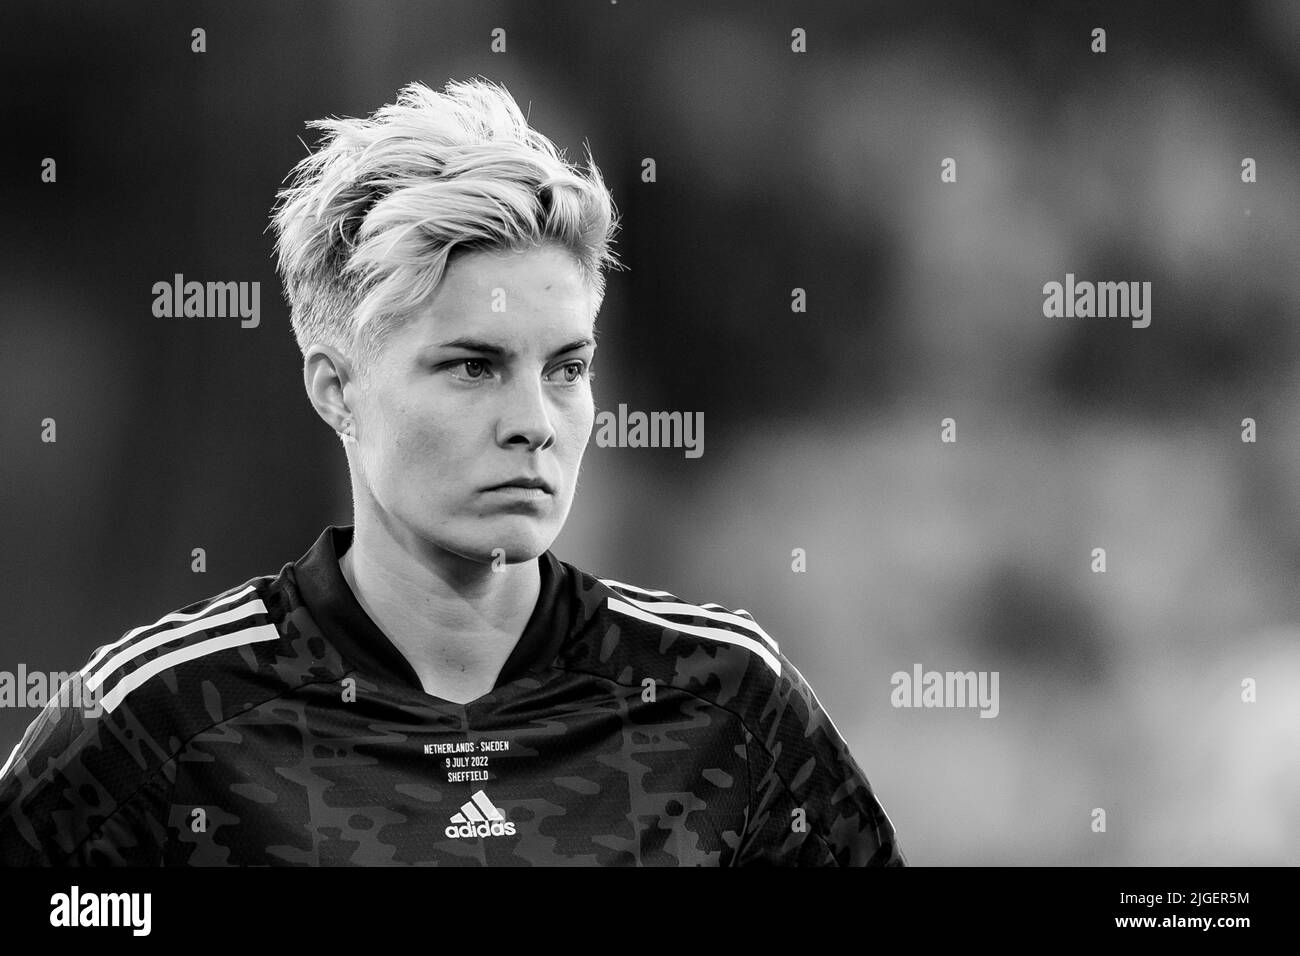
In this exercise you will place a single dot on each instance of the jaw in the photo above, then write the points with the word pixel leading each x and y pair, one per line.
pixel 505 538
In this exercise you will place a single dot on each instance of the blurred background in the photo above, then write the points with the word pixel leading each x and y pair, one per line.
pixel 819 170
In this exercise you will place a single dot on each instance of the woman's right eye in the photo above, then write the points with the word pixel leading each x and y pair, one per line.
pixel 475 369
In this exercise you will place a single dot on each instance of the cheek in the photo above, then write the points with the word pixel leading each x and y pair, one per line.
pixel 427 446
pixel 410 440
pixel 582 417
pixel 575 427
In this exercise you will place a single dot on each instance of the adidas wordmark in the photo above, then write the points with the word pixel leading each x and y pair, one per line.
pixel 479 817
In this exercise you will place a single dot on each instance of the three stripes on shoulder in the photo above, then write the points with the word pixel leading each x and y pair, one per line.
pixel 107 663
pixel 106 666
pixel 660 607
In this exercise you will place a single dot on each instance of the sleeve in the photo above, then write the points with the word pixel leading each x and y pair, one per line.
pixel 810 802
pixel 83 787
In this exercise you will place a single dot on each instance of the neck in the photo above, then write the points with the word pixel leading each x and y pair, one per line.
pixel 455 620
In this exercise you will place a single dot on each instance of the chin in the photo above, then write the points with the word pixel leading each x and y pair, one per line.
pixel 520 540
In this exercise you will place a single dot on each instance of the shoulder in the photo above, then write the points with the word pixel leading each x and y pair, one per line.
pixel 799 759
pixel 222 637
pixel 142 695
pixel 705 648
pixel 108 736
pixel 715 652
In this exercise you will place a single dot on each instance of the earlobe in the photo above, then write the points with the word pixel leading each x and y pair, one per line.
pixel 325 376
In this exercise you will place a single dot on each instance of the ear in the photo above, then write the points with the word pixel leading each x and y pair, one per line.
pixel 327 375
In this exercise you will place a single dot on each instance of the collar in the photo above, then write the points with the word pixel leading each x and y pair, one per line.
pixel 331 603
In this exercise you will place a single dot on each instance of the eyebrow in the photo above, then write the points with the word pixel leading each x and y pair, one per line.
pixel 487 348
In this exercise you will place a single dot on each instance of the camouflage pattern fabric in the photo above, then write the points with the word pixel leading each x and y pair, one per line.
pixel 240 731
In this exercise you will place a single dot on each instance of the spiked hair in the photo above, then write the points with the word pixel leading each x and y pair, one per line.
pixel 366 226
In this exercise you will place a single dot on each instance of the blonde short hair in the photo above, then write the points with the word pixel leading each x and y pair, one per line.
pixel 366 226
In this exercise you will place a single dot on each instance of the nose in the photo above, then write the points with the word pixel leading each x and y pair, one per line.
pixel 524 416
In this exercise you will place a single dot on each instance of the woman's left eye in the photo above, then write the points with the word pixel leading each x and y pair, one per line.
pixel 573 371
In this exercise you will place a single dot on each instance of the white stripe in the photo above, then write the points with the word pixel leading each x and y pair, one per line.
pixel 697 611
pixel 880 803
pixel 249 635
pixel 167 636
pixel 471 811
pixel 715 633
pixel 458 818
pixel 14 753
pixel 489 809
pixel 735 610
pixel 167 619
pixel 670 608
pixel 632 587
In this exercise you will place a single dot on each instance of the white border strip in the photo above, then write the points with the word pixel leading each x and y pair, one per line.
pixel 714 633
pixel 167 619
pixel 93 682
pixel 249 635
pixel 698 611
pixel 632 587
pixel 12 754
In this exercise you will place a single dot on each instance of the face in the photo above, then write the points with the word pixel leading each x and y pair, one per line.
pixel 482 392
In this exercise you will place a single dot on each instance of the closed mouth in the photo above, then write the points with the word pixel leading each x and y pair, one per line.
pixel 524 483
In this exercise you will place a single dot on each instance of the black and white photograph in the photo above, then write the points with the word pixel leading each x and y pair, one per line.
pixel 613 433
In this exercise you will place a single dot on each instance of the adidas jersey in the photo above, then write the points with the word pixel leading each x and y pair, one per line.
pixel 276 724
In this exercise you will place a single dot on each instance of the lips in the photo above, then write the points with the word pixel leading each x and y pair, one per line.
pixel 525 481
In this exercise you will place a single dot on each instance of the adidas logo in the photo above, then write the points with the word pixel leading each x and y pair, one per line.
pixel 479 818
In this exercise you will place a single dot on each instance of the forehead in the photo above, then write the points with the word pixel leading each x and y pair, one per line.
pixel 535 293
